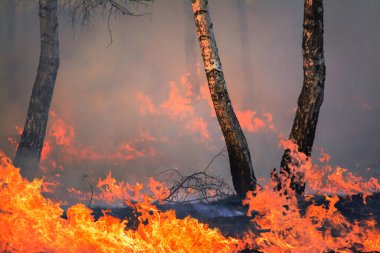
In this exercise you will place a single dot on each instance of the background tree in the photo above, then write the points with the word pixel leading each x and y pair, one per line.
pixel 311 97
pixel 7 35
pixel 190 46
pixel 10 11
pixel 243 177
pixel 29 150
pixel 2 38
pixel 246 61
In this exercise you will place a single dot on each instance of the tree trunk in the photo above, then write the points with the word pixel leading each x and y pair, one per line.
pixel 240 159
pixel 29 150
pixel 190 47
pixel 311 98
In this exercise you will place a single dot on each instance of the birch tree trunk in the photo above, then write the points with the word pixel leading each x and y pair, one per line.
pixel 29 150
pixel 240 159
pixel 190 47
pixel 311 97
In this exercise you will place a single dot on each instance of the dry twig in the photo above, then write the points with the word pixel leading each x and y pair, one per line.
pixel 82 11
pixel 198 186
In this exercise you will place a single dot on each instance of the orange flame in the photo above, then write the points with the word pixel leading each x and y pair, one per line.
pixel 327 179
pixel 322 228
pixel 31 223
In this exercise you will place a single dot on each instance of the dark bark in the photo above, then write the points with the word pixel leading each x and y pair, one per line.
pixel 240 159
pixel 311 97
pixel 29 150
pixel 190 47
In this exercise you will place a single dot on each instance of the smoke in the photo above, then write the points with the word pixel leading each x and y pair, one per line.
pixel 136 91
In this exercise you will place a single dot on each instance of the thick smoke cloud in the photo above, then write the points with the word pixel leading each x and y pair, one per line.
pixel 135 92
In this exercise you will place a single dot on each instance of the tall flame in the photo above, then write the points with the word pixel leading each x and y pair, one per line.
pixel 31 223
pixel 284 227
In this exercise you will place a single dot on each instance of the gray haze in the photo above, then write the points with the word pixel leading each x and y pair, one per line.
pixel 98 86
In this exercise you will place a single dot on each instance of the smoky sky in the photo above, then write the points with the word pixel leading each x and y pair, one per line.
pixel 101 89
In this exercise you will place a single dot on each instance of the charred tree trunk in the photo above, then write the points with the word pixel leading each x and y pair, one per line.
pixel 240 159
pixel 29 150
pixel 311 98
pixel 190 47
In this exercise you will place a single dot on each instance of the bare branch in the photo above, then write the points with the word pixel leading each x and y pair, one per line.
pixel 82 11
pixel 198 186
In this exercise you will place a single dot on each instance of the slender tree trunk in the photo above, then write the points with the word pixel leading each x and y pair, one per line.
pixel 240 159
pixel 29 150
pixel 311 98
pixel 190 47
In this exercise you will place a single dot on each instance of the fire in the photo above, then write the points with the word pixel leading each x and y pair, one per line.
pixel 323 178
pixel 285 227
pixel 147 106
pixel 199 125
pixel 177 106
pixel 187 110
pixel 321 229
pixel 31 223
pixel 61 137
pixel 185 81
pixel 180 106
pixel 110 191
pixel 250 122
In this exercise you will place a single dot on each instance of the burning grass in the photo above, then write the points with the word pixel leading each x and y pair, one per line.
pixel 29 222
